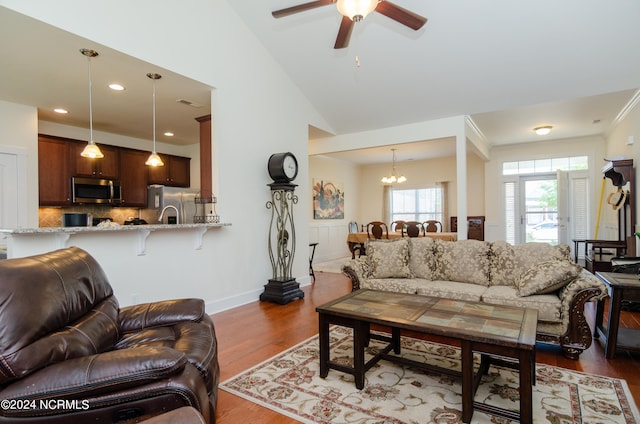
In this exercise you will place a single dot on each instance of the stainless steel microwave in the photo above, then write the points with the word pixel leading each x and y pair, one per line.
pixel 93 190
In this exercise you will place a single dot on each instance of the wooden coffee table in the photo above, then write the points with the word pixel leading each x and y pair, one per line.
pixel 503 335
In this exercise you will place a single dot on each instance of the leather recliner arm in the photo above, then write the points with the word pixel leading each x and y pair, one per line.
pixel 138 317
pixel 104 372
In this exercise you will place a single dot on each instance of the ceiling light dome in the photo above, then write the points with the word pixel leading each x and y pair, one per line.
pixel 356 10
pixel 544 130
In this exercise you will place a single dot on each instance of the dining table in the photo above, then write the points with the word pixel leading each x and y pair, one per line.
pixel 356 241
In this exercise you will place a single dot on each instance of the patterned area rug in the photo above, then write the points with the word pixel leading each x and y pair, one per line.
pixel 289 384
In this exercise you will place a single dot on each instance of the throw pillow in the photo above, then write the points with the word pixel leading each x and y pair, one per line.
pixel 388 259
pixel 464 261
pixel 547 277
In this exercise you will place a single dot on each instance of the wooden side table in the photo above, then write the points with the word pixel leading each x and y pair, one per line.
pixel 620 286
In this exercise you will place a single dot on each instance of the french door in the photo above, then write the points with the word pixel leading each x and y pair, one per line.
pixel 548 208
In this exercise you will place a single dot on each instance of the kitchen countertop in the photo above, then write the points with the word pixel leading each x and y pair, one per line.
pixel 61 235
pixel 96 229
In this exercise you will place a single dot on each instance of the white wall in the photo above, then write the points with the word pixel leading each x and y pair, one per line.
pixel 331 234
pixel 256 110
pixel 18 129
pixel 617 145
pixel 590 146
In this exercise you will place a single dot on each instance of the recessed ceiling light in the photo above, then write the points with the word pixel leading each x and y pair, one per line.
pixel 116 87
pixel 169 134
pixel 60 110
pixel 543 130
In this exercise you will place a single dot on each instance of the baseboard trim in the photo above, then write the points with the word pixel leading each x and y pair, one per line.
pixel 216 306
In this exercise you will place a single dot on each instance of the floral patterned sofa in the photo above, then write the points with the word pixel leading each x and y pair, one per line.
pixel 532 275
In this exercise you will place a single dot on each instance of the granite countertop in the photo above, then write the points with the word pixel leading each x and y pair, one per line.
pixel 96 229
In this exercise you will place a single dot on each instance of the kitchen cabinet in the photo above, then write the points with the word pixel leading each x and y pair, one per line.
pixel 133 177
pixel 176 171
pixel 54 171
pixel 107 167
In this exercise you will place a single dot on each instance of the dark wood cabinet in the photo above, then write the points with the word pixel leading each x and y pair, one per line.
pixel 54 175
pixel 176 172
pixel 106 167
pixel 133 177
pixel 59 159
pixel 475 227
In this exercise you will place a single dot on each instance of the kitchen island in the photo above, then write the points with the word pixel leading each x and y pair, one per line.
pixel 144 263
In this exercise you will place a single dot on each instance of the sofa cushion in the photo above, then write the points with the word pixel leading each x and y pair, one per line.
pixel 547 277
pixel 397 285
pixel 549 306
pixel 451 290
pixel 465 261
pixel 509 261
pixel 388 258
pixel 421 257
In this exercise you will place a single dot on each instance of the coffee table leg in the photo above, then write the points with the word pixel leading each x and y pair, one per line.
pixel 360 337
pixel 323 340
pixel 466 360
pixel 615 305
pixel 526 383
pixel 395 340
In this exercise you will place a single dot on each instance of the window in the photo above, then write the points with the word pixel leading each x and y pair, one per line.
pixel 417 204
pixel 541 166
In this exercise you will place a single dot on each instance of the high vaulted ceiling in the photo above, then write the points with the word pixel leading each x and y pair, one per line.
pixel 509 65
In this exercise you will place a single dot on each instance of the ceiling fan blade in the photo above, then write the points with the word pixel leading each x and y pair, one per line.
pixel 400 14
pixel 344 33
pixel 301 8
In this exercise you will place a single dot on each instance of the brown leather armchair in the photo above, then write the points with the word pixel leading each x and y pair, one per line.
pixel 68 353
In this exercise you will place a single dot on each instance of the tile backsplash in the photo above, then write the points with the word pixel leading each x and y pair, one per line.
pixel 52 217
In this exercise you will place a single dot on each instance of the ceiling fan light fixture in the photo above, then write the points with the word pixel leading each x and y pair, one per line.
pixel 544 130
pixel 356 10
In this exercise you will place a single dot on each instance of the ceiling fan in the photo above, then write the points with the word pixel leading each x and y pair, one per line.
pixel 355 11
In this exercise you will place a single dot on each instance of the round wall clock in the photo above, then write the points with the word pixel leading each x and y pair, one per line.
pixel 283 167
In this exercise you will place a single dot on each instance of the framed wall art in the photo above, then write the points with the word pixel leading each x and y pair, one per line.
pixel 328 200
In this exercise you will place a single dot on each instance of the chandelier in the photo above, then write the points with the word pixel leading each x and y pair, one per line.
pixel 356 10
pixel 394 177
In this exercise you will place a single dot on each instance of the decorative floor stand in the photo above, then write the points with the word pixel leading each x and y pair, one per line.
pixel 281 291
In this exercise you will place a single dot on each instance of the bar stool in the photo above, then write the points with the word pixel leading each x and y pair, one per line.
pixel 313 252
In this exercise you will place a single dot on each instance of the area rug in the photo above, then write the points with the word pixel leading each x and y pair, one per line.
pixel 289 384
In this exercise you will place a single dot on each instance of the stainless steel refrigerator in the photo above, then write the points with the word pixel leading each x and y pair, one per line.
pixel 182 199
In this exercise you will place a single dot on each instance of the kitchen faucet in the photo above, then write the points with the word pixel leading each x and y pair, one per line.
pixel 172 207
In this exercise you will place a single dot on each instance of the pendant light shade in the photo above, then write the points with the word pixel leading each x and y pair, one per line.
pixel 91 150
pixel 394 177
pixel 356 10
pixel 154 159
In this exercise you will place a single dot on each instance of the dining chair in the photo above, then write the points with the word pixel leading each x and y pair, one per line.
pixel 397 226
pixel 432 226
pixel 353 228
pixel 412 229
pixel 377 229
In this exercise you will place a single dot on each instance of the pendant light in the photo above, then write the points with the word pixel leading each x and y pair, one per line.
pixel 91 150
pixel 154 159
pixel 394 177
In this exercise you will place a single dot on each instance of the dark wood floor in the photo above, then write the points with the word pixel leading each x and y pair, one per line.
pixel 250 334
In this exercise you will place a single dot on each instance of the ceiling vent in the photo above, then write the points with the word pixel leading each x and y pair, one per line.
pixel 188 103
